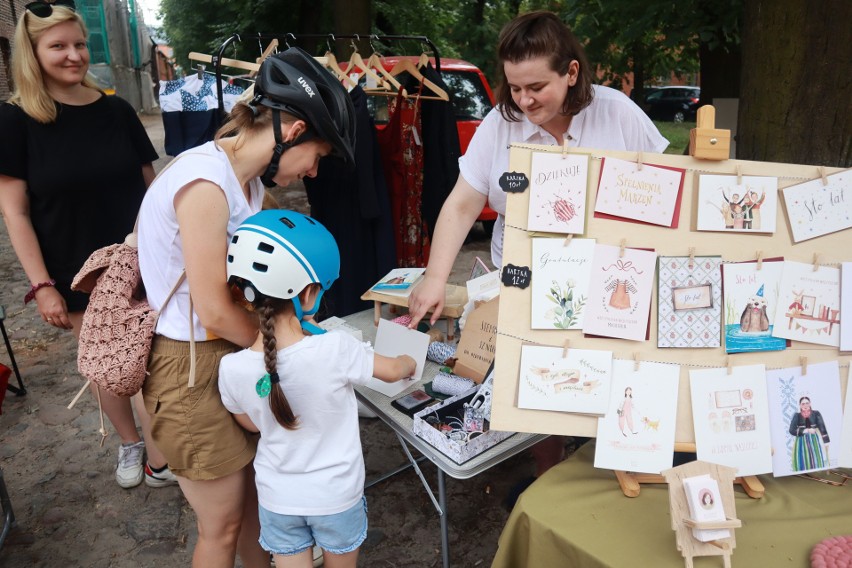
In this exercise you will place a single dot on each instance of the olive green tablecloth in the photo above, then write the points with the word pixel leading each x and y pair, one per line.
pixel 576 515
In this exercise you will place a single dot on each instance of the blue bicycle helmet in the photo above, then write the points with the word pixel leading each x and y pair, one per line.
pixel 277 253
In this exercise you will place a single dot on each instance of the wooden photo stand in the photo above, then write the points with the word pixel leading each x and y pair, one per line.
pixel 683 524
pixel 454 302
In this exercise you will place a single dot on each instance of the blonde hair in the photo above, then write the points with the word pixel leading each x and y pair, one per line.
pixel 30 91
pixel 246 120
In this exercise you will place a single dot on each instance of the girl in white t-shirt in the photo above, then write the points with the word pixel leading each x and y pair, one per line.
pixel 296 389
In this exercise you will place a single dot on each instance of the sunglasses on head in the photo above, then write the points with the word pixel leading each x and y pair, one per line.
pixel 44 9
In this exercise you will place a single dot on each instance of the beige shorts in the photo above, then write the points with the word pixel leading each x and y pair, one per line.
pixel 192 428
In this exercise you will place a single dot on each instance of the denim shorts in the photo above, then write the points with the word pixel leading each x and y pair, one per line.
pixel 292 534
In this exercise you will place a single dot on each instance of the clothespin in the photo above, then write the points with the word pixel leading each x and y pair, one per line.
pixel 639 160
pixel 816 261
pixel 759 259
pixel 691 257
pixel 804 363
pixel 729 365
pixel 564 145
pixel 823 176
pixel 739 174
pixel 635 361
pixel 565 348
pixel 567 241
pixel 621 249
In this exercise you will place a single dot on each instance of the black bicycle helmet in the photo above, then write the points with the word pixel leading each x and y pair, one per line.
pixel 294 82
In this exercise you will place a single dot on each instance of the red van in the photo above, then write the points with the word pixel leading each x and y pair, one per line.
pixel 472 99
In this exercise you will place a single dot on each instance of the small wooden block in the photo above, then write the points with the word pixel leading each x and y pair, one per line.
pixel 707 142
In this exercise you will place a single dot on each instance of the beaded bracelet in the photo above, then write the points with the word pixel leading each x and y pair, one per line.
pixel 35 288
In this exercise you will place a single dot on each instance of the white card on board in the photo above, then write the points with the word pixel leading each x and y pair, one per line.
pixel 560 282
pixel 578 382
pixel 809 307
pixel 558 193
pixel 816 208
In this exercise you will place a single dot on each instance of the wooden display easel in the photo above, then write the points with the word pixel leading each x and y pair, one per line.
pixel 454 302
pixel 683 524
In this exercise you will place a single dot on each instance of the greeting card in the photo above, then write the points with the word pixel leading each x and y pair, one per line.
pixel 560 282
pixel 399 281
pixel 805 418
pixel 393 340
pixel 558 193
pixel 845 458
pixel 817 208
pixel 650 194
pixel 751 296
pixel 809 305
pixel 638 431
pixel 705 504
pixel 689 303
pixel 846 305
pixel 620 291
pixel 731 418
pixel 576 381
pixel 746 204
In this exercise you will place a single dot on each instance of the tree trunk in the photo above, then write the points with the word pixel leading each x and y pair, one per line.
pixel 795 103
pixel 353 17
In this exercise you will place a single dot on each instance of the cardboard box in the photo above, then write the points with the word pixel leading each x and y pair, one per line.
pixel 459 452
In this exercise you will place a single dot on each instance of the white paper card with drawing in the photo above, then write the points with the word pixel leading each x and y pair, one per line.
pixel 689 306
pixel 558 187
pixel 638 431
pixel 560 282
pixel 740 205
pixel 731 417
pixel 817 208
pixel 577 382
pixel 806 418
pixel 650 194
pixel 751 298
pixel 809 306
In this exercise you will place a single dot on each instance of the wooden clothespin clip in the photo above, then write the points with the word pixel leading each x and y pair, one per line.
pixel 739 174
pixel 621 248
pixel 823 176
pixel 729 365
pixel 816 261
pixel 567 240
pixel 691 257
pixel 565 348
pixel 639 160
pixel 635 361
pixel 804 363
pixel 759 259
pixel 564 145
pixel 707 142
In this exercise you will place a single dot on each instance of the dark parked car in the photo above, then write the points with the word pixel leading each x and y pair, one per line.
pixel 673 103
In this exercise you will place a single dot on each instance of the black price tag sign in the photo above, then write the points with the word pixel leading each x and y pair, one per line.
pixel 517 276
pixel 514 182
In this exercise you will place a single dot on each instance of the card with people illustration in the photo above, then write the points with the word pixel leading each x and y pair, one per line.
pixel 689 303
pixel 744 204
pixel 819 207
pixel 572 380
pixel 809 305
pixel 638 431
pixel 730 413
pixel 750 291
pixel 620 290
pixel 558 186
pixel 641 192
pixel 560 282
pixel 805 418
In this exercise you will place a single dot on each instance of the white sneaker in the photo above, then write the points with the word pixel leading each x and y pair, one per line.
pixel 129 472
pixel 159 478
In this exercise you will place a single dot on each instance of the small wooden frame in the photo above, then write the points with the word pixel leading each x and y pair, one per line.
pixel 683 524
pixel 454 301
pixel 707 142
pixel 630 482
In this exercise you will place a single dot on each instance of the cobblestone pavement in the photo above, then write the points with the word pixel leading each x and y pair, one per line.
pixel 70 511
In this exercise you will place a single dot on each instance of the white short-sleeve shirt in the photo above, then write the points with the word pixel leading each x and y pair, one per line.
pixel 611 122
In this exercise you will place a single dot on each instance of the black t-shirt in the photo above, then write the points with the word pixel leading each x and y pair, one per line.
pixel 84 179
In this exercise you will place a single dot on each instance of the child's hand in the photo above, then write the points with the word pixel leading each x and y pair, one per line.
pixel 409 365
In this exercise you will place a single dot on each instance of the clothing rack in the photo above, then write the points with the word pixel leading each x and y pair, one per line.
pixel 219 59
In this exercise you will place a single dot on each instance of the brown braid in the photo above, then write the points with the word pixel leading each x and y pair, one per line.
pixel 277 401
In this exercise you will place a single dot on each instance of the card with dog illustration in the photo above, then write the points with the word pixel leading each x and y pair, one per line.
pixel 574 381
pixel 560 282
pixel 809 306
pixel 731 417
pixel 805 418
pixel 740 205
pixel 816 208
pixel 558 187
pixel 638 431
pixel 751 295
pixel 620 290
pixel 689 303
pixel 846 305
pixel 646 193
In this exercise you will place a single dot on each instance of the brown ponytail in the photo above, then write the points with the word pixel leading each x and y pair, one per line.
pixel 277 401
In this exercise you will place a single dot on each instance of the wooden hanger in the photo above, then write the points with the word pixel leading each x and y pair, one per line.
pixel 237 63
pixel 423 61
pixel 407 66
pixel 375 62
pixel 272 47
pixel 359 66
pixel 334 67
